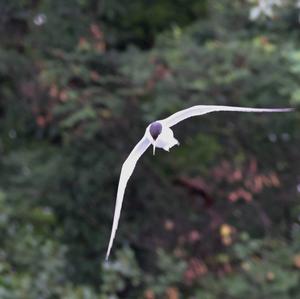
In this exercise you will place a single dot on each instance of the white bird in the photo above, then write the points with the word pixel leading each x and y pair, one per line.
pixel 160 135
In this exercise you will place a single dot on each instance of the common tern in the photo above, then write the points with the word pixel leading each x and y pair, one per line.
pixel 160 135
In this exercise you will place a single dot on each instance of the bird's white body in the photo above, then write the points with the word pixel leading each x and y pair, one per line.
pixel 165 139
pixel 160 135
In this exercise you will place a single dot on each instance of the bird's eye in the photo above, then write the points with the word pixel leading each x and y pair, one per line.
pixel 155 129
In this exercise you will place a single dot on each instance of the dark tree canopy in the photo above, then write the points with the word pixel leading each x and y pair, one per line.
pixel 217 217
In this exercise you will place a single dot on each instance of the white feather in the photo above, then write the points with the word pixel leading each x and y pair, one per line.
pixel 201 109
pixel 126 172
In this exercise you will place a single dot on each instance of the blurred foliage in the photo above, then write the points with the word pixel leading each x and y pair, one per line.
pixel 79 82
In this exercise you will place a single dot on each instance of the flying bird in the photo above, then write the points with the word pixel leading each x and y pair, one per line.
pixel 160 135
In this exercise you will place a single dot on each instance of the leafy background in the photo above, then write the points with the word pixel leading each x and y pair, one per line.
pixel 217 217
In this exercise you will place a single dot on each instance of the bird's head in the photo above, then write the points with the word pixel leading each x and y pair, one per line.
pixel 161 136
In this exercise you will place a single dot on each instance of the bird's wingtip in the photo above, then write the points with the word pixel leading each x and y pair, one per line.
pixel 288 109
pixel 107 253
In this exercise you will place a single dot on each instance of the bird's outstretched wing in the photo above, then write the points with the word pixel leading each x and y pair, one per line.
pixel 126 172
pixel 201 109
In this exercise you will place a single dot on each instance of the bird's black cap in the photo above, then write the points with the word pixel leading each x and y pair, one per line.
pixel 155 129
